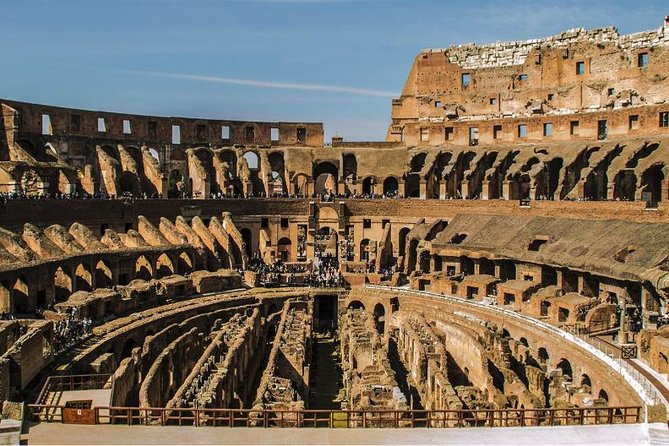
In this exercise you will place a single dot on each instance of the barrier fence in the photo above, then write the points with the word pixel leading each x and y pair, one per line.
pixel 268 418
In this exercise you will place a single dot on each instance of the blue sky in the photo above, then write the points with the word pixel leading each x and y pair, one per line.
pixel 335 61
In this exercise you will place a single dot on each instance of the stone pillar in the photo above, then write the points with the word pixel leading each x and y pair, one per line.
pixel 560 278
pixel 506 189
pixel 464 188
pixel 581 284
pixel 498 270
pixel 442 190
pixel 423 189
pixel 610 188
pixel 400 191
pixel 477 266
pixel 580 189
pixel 485 190
pixel 341 187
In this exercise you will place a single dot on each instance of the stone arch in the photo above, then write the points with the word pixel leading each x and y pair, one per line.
pixel 184 264
pixel 300 184
pixel 369 185
pixel 143 268
pixel 62 282
pixel 253 161
pixel 284 248
pixel 404 232
pixel 355 305
pixel 350 170
pixel 391 186
pixel 603 395
pixel 326 243
pixel 585 380
pixel 164 266
pixel 326 176
pixel 524 342
pixel 31 183
pixel 652 180
pixel 21 295
pixel 542 354
pixel 5 297
pixel 103 275
pixel 278 174
pixel 624 185
pixel 412 178
pixel 83 279
pixel 565 366
pixel 380 318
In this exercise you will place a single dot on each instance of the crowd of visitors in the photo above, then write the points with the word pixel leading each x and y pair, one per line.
pixel 321 273
pixel 70 331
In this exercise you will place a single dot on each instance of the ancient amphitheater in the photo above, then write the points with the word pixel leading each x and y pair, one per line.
pixel 496 271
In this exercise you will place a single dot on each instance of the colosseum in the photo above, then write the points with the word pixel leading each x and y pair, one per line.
pixel 497 262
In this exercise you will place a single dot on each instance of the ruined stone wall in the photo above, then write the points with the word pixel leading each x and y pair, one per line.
pixel 559 78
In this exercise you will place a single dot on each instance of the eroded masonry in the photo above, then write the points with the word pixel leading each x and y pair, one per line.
pixel 499 260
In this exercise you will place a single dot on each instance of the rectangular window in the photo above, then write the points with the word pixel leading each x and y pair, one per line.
pixel 611 91
pixel 580 67
pixel 176 134
pixel 473 136
pixel 127 130
pixel 102 125
pixel 548 129
pixel 384 223
pixel 493 101
pixel 250 133
pixel 424 134
pixel 75 123
pixel 301 135
pixel 264 222
pixel 634 122
pixel 466 79
pixel 602 129
pixel 642 60
pixel 551 96
pixel 523 77
pixel 153 128
pixel 46 125
pixel 496 131
pixel 664 119
pixel 437 104
pixel 367 223
pixel 201 132
pixel 573 128
pixel 448 133
pixel 225 132
pixel 522 130
pixel 284 223
pixel 274 134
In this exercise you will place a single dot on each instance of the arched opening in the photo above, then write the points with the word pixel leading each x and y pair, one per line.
pixel 21 296
pixel 326 176
pixel 466 266
pixel 184 264
pixel 251 159
pixel 507 270
pixel 83 279
pixel 277 164
pixel 412 185
pixel 103 275
pixel 651 183
pixel 403 240
pixel 380 318
pixel 390 187
pixel 364 250
pixel 411 263
pixel 31 183
pixel 177 186
pixel 283 249
pixel 326 244
pixel 524 342
pixel 143 269
pixel 543 355
pixel 164 266
pixel 548 275
pixel 355 305
pixel 625 185
pixel 247 238
pixel 369 186
pixel 253 163
pixel 350 170
pixel 565 366
pixel 129 184
pixel 62 281
pixel 603 395
pixel 585 381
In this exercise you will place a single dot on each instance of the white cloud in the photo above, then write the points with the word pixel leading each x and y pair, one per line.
pixel 270 84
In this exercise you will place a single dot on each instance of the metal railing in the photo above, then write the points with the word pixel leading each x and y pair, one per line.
pixel 73 382
pixel 351 418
